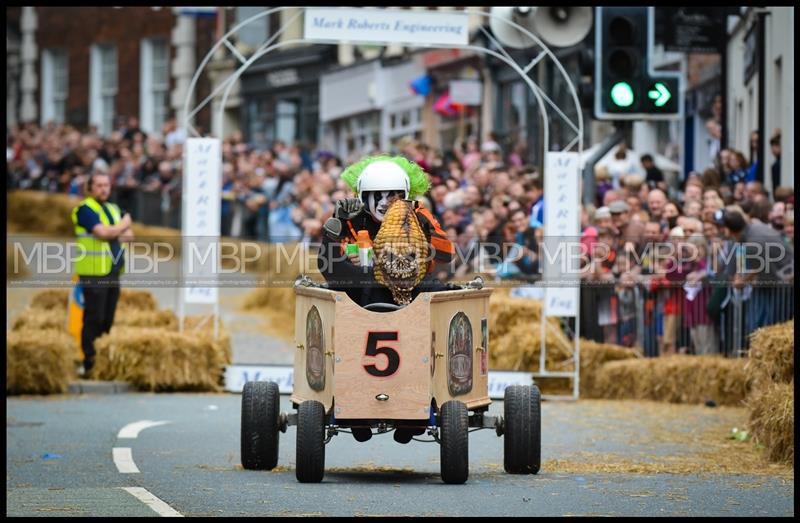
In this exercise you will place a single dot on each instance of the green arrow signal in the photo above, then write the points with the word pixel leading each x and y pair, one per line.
pixel 660 94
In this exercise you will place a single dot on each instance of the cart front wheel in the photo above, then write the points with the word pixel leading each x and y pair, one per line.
pixel 310 442
pixel 454 450
pixel 260 425
pixel 523 429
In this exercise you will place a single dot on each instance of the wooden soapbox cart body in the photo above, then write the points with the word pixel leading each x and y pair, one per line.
pixel 416 369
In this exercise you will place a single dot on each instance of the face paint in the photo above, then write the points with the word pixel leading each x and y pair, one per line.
pixel 378 202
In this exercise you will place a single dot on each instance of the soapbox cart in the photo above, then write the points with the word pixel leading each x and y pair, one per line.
pixel 414 369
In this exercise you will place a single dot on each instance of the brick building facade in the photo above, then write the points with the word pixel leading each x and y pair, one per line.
pixel 73 31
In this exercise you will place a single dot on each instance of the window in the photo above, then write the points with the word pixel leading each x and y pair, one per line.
pixel 256 32
pixel 55 85
pixel 103 87
pixel 286 120
pixel 154 87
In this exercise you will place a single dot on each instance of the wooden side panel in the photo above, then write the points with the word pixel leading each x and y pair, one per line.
pixel 445 307
pixel 324 302
pixel 408 387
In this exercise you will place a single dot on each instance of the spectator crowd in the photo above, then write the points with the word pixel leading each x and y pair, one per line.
pixel 491 205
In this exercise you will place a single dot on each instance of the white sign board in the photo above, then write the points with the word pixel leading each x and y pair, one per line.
pixel 562 234
pixel 237 375
pixel 466 92
pixel 386 26
pixel 202 185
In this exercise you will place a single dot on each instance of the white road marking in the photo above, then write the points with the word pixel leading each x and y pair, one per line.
pixel 124 460
pixel 146 497
pixel 132 430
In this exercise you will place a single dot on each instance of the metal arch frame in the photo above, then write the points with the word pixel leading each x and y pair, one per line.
pixel 502 55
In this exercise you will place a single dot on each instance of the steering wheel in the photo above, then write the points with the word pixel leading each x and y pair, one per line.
pixel 381 305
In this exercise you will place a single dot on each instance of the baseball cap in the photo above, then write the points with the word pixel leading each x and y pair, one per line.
pixel 602 212
pixel 618 207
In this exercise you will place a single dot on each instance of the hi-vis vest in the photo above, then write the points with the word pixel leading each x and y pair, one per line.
pixel 95 258
pixel 443 248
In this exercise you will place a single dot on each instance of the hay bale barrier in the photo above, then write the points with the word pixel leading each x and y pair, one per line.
pixel 40 212
pixel 39 361
pixel 158 360
pixel 771 358
pixel 15 266
pixel 51 299
pixel 34 318
pixel 190 361
pixel 592 357
pixel 674 379
pixel 771 420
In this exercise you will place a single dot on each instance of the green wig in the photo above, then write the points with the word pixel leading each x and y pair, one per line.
pixel 417 177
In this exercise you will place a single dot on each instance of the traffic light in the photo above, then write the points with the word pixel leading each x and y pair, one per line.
pixel 626 88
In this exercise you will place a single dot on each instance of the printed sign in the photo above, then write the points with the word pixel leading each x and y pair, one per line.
pixel 459 355
pixel 562 233
pixel 202 185
pixel 466 92
pixel 315 350
pixel 386 26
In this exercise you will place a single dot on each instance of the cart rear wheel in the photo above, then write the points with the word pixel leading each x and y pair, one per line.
pixel 310 442
pixel 523 429
pixel 260 420
pixel 454 450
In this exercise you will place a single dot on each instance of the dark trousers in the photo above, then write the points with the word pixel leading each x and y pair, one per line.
pixel 100 296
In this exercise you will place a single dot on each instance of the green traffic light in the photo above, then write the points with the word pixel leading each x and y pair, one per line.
pixel 622 94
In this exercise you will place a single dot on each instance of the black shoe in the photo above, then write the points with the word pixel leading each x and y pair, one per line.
pixel 362 434
pixel 403 435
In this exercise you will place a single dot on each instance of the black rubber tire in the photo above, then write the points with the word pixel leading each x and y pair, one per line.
pixel 454 448
pixel 523 429
pixel 310 442
pixel 260 419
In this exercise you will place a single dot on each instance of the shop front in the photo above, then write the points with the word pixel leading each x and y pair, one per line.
pixel 281 96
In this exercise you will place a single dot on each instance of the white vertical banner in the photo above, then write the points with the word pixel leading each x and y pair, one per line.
pixel 562 234
pixel 202 187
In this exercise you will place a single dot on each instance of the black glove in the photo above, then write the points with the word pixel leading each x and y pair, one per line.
pixel 333 228
pixel 348 208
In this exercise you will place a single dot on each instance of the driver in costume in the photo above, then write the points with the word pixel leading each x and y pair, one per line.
pixel 377 181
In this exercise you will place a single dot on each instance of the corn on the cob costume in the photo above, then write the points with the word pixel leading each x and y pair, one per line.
pixel 407 239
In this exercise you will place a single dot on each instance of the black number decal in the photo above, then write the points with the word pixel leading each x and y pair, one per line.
pixel 373 350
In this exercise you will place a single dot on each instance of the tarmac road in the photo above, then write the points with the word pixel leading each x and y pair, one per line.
pixel 60 463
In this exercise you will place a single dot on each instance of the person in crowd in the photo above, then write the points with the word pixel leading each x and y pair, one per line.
pixel 775 149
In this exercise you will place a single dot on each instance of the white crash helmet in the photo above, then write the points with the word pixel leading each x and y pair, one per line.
pixel 383 176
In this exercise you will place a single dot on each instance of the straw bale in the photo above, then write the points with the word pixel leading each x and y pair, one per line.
pixel 133 299
pixel 771 355
pixel 279 299
pixel 14 271
pixel 165 239
pixel 675 379
pixel 159 360
pixel 33 318
pixel 39 361
pixel 593 355
pixel 51 299
pixel 203 327
pixel 505 312
pixel 146 318
pixel 128 299
pixel 41 212
pixel 771 420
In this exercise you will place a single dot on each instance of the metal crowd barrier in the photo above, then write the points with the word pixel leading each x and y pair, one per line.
pixel 636 317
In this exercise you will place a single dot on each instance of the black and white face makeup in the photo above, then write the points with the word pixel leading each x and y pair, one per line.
pixel 377 202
